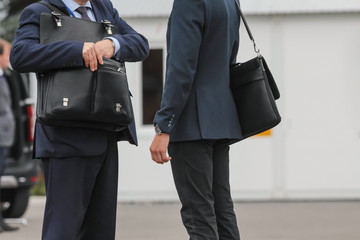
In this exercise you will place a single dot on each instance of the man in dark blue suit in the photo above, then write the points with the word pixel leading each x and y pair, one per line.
pixel 80 165
pixel 198 114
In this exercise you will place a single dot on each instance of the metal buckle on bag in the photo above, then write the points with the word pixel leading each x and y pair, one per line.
pixel 256 49
pixel 118 107
pixel 57 18
pixel 65 102
pixel 108 26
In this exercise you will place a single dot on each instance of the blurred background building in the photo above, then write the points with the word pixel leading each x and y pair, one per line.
pixel 312 48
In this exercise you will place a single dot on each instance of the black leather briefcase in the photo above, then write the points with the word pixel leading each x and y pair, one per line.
pixel 254 91
pixel 81 98
pixel 76 96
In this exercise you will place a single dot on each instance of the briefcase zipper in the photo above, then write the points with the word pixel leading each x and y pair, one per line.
pixel 45 78
pixel 93 91
pixel 113 68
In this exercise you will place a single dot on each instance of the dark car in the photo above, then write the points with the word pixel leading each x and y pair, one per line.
pixel 21 171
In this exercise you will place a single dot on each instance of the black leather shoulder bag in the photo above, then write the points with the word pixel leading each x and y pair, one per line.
pixel 254 91
pixel 77 97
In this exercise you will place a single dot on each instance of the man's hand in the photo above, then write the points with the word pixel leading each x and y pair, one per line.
pixel 106 48
pixel 158 148
pixel 92 55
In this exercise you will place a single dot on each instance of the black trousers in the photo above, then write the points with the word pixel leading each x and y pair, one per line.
pixel 201 174
pixel 81 196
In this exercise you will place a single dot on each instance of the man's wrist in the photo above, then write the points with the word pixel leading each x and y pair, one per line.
pixel 115 43
pixel 158 130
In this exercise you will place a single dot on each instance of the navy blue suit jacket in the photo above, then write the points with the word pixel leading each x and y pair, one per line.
pixel 202 42
pixel 28 55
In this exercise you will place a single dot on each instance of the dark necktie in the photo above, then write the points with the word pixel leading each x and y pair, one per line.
pixel 82 11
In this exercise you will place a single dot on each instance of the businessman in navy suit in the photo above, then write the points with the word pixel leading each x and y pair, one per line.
pixel 198 116
pixel 80 165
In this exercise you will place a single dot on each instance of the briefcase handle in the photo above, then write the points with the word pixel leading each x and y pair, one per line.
pixel 56 13
pixel 256 49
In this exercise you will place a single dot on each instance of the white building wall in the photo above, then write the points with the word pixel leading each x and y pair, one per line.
pixel 140 8
pixel 314 152
pixel 322 123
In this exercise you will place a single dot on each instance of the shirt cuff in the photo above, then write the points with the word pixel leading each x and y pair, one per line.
pixel 116 43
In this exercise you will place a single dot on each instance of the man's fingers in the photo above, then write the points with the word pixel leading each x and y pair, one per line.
pixel 158 148
pixel 91 56
pixel 164 157
pixel 86 59
pixel 158 159
pixel 159 156
pixel 154 157
pixel 99 56
pixel 106 48
pixel 93 61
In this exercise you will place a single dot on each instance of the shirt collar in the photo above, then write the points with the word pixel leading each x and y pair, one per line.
pixel 1 72
pixel 72 5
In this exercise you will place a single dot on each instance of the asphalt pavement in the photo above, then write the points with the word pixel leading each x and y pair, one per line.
pixel 330 220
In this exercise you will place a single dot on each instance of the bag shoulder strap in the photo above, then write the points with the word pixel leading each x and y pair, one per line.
pixel 256 49
pixel 51 7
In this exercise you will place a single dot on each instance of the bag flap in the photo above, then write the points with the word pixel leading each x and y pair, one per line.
pixel 273 86
pixel 249 71
pixel 72 29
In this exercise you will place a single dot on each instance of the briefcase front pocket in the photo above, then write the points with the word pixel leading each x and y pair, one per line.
pixel 81 98
pixel 111 102
pixel 69 95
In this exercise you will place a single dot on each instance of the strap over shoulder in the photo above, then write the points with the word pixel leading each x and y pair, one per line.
pixel 52 8
pixel 55 12
pixel 256 49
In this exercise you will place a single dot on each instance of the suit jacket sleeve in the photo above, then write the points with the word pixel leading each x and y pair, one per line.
pixel 133 46
pixel 28 55
pixel 185 31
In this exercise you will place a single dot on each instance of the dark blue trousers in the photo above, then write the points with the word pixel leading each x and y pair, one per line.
pixel 81 196
pixel 201 174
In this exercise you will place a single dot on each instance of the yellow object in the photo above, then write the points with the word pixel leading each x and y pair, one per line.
pixel 264 134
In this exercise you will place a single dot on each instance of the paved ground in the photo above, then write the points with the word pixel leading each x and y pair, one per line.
pixel 258 221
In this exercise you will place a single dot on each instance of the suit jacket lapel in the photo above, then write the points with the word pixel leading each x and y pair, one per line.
pixel 95 7
pixel 96 11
